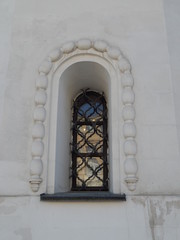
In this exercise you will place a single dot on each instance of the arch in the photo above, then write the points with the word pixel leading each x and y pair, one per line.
pixel 117 66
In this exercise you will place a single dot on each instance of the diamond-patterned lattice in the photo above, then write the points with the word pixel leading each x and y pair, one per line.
pixel 89 146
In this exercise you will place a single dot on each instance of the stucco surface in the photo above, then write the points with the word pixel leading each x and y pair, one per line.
pixel 147 33
pixel 138 29
pixel 149 218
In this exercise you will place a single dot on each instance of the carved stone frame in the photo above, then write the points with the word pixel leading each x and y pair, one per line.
pixel 113 54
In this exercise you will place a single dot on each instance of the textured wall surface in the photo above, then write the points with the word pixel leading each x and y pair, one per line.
pixel 147 33
pixel 172 19
pixel 150 218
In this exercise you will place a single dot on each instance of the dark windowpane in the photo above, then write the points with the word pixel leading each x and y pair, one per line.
pixel 89 146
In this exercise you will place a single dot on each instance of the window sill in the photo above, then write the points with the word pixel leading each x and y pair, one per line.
pixel 83 196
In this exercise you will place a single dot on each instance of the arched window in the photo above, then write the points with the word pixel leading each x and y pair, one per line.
pixel 89 168
pixel 73 66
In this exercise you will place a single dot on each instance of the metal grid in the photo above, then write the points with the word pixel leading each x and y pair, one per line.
pixel 89 168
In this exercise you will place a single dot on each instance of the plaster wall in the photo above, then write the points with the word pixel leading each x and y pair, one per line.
pixel 150 218
pixel 138 28
pixel 172 19
pixel 29 30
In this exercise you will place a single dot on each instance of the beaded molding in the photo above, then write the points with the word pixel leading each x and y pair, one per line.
pixel 128 113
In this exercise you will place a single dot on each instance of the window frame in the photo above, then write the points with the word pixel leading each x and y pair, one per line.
pixel 81 99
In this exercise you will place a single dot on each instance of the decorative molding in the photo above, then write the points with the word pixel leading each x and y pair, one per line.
pixel 128 112
pixel 129 130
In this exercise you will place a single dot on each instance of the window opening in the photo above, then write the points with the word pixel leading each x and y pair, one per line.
pixel 89 167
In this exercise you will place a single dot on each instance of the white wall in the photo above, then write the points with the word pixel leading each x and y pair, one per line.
pixel 140 218
pixel 148 37
pixel 172 20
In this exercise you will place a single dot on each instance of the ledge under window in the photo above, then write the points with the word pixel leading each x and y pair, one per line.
pixel 83 196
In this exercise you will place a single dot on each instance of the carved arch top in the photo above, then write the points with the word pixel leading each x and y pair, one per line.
pixel 84 46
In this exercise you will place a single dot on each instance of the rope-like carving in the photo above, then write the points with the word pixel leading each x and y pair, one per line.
pixel 128 97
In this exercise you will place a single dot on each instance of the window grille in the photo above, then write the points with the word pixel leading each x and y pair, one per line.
pixel 89 167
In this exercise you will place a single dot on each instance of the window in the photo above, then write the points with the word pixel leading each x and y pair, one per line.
pixel 89 168
pixel 101 68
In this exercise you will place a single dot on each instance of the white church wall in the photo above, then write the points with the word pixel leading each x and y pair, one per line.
pixel 6 15
pixel 172 20
pixel 30 30
pixel 150 218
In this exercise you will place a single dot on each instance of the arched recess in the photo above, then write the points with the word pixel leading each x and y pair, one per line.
pixel 74 66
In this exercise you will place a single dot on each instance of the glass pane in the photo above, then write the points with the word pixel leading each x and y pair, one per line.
pixel 89 172
pixel 90 139
pixel 90 112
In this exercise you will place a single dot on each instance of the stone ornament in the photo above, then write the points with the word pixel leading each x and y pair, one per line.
pixel 128 112
pixel 83 44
